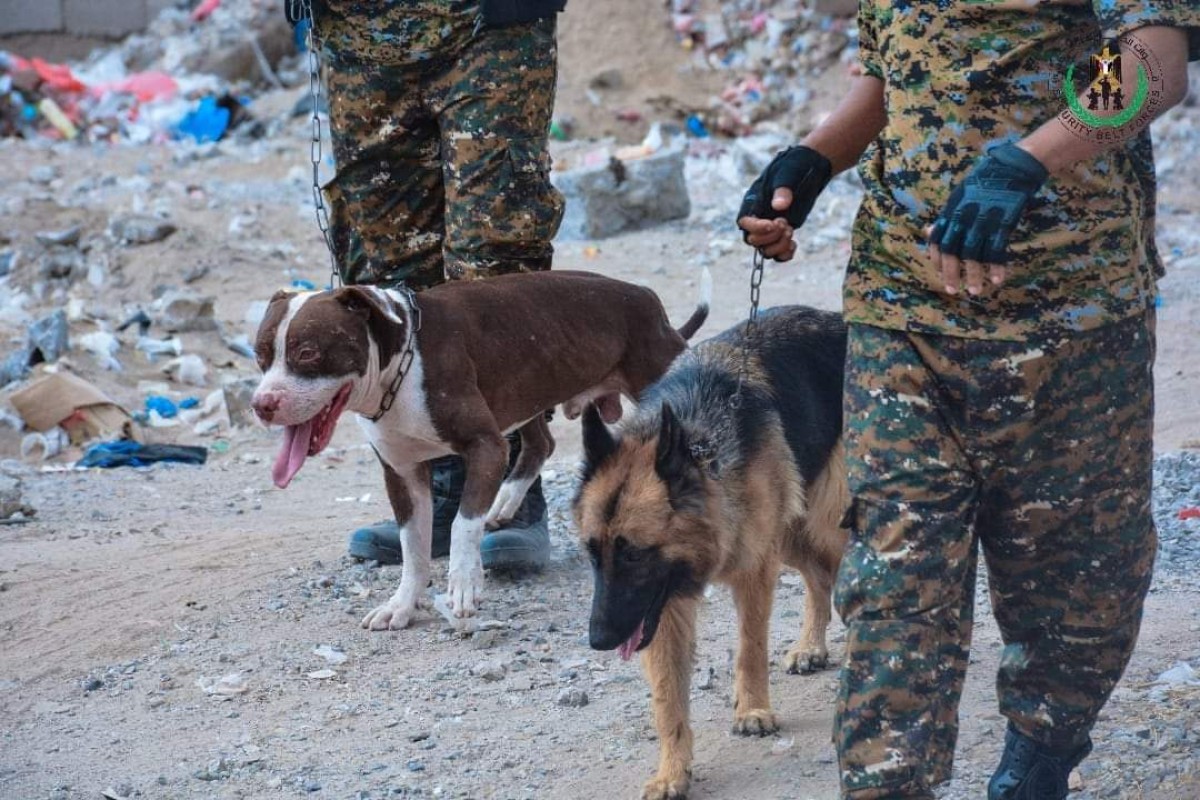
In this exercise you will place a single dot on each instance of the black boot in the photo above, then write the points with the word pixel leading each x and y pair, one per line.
pixel 1030 771
pixel 381 541
pixel 523 544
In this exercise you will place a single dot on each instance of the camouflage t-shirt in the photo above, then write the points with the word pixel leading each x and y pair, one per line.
pixel 964 75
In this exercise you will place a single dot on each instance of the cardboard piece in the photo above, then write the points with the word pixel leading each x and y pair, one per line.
pixel 68 400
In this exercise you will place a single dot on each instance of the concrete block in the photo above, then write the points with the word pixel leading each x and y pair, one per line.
pixel 623 195
pixel 32 16
pixel 104 17
pixel 155 7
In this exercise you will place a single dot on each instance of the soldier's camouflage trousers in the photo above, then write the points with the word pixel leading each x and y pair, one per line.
pixel 443 171
pixel 1039 452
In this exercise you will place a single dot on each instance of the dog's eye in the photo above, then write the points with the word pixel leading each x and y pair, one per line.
pixel 632 555
pixel 307 355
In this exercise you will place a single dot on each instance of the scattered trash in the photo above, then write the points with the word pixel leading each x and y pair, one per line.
pixel 66 400
pixel 140 319
pixel 189 369
pixel 304 285
pixel 160 347
pixel 43 446
pixel 124 453
pixel 237 400
pixel 331 655
pixel 226 687
pixel 782 745
pixel 322 674
pixel 165 407
pixel 1182 674
pixel 104 346
pixel 1191 512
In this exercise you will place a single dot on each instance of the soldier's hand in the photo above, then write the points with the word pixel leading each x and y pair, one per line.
pixel 772 236
pixel 972 232
pixel 787 189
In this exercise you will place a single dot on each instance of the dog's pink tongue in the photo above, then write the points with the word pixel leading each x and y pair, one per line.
pixel 628 647
pixel 292 453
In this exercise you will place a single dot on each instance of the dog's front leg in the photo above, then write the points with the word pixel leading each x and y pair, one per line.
pixel 667 663
pixel 753 594
pixel 486 457
pixel 412 504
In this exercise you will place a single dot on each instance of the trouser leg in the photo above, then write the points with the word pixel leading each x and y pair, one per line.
pixel 906 585
pixel 493 107
pixel 1068 534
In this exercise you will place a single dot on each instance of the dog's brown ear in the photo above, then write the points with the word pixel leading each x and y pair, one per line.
pixel 598 441
pixel 676 465
pixel 386 323
pixel 363 300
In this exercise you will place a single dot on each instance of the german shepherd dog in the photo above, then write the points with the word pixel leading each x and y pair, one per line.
pixel 691 490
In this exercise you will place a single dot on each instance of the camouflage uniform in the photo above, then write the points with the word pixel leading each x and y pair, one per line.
pixel 1020 420
pixel 440 128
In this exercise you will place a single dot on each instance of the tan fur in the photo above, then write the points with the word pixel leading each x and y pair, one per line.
pixel 757 519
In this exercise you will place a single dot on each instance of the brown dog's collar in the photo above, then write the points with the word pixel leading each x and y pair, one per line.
pixel 406 357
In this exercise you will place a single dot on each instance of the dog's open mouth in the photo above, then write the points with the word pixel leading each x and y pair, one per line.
pixel 307 438
pixel 634 643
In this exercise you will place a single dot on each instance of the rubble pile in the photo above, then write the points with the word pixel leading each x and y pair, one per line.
pixel 189 74
pixel 770 48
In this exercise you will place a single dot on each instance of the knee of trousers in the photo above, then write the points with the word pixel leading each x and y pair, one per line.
pixel 903 561
pixel 501 209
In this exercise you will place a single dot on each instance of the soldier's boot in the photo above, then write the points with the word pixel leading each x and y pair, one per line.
pixel 1030 771
pixel 523 543
pixel 381 541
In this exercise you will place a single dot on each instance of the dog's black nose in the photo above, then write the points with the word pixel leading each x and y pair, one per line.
pixel 602 636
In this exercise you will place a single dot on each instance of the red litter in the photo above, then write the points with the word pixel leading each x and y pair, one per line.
pixel 1189 513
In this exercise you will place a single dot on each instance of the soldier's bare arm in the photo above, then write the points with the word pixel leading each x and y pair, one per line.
pixel 1056 148
pixel 840 140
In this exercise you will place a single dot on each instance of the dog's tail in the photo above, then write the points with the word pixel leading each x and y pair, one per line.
pixel 689 328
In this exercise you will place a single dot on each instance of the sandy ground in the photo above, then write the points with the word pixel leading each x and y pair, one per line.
pixel 133 588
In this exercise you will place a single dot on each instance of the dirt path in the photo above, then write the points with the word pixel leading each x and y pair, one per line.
pixel 133 586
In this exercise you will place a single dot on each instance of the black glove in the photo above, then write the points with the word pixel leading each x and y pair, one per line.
pixel 801 169
pixel 501 13
pixel 981 213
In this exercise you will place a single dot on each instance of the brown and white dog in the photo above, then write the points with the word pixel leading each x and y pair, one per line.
pixel 466 362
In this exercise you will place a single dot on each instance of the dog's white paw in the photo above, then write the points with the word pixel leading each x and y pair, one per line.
pixel 508 501
pixel 389 616
pixel 464 591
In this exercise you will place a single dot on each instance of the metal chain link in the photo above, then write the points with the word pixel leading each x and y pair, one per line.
pixel 302 9
pixel 706 449
pixel 756 278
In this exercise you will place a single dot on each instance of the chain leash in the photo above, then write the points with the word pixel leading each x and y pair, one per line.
pixel 302 9
pixel 706 449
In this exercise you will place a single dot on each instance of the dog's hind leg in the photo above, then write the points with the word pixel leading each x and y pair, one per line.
pixel 667 662
pixel 536 446
pixel 810 653
pixel 413 507
pixel 753 593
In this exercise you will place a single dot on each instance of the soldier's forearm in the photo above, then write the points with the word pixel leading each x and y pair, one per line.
pixel 851 127
pixel 1057 146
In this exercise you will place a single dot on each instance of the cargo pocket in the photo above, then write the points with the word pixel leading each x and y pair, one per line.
pixel 534 207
